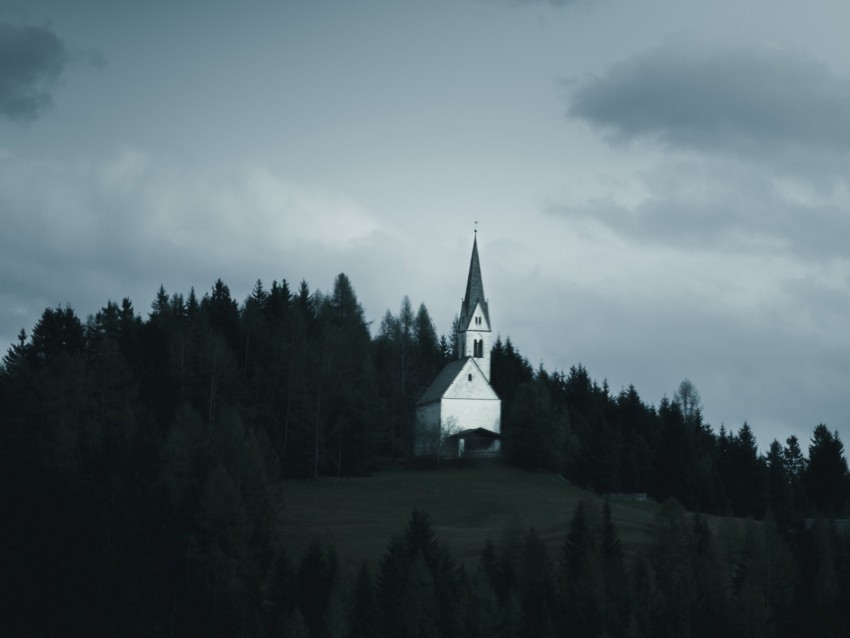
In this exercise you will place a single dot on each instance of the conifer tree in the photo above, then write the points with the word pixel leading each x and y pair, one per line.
pixel 15 358
pixel 826 477
pixel 363 620
pixel 535 588
pixel 315 582
pixel 778 482
pixel 392 585
pixel 580 576
pixel 281 592
pixel 795 468
pixel 615 594
pixel 419 537
pixel 668 558
pixel 709 605
pixel 418 611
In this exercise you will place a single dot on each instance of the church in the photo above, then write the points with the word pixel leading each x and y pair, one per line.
pixel 460 413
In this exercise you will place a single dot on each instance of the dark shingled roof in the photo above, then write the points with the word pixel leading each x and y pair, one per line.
pixel 436 390
pixel 482 432
pixel 474 290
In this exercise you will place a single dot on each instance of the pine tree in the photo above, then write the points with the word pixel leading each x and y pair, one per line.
pixel 674 456
pixel 392 586
pixel 160 307
pixel 580 576
pixel 220 556
pixel 778 482
pixel 795 468
pixel 419 537
pixel 418 610
pixel 281 592
pixel 15 358
pixel 668 558
pixel 708 607
pixel 535 588
pixel 363 620
pixel 315 582
pixel 615 594
pixel 826 478
pixel 745 475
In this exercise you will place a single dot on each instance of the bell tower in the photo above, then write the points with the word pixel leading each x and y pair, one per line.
pixel 474 331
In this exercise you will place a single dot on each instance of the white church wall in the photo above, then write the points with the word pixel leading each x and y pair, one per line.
pixel 470 383
pixel 469 413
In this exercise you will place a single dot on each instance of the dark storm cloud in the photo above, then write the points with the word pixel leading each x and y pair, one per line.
pixel 743 100
pixel 32 60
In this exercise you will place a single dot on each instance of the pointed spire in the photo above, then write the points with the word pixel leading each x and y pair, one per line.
pixel 474 288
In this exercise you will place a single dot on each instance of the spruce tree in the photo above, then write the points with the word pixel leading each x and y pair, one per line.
pixel 363 619
pixel 826 477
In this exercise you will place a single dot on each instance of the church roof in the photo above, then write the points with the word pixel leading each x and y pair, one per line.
pixel 474 290
pixel 475 432
pixel 439 386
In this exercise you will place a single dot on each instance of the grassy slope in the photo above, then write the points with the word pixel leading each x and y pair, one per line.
pixel 466 506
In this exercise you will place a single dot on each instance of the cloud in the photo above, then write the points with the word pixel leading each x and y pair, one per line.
pixel 751 101
pixel 32 61
pixel 735 209
pixel 84 232
pixel 760 163
pixel 724 206
pixel 753 332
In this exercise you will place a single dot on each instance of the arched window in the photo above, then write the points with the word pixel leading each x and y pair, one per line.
pixel 469 376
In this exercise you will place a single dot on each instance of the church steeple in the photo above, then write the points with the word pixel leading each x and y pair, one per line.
pixel 474 332
pixel 461 402
pixel 474 288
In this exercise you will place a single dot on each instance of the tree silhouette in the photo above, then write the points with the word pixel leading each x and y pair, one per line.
pixel 826 477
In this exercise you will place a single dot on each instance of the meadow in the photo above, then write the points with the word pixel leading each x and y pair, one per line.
pixel 467 505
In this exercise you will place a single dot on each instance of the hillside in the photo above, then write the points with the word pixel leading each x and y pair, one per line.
pixel 466 506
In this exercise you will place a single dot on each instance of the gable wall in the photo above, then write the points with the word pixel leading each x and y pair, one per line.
pixel 465 388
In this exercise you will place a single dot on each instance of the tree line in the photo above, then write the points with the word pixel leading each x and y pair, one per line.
pixel 615 443
pixel 141 457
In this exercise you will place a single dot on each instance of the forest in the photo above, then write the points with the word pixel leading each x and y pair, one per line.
pixel 142 457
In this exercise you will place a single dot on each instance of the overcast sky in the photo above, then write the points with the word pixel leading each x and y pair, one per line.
pixel 662 186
